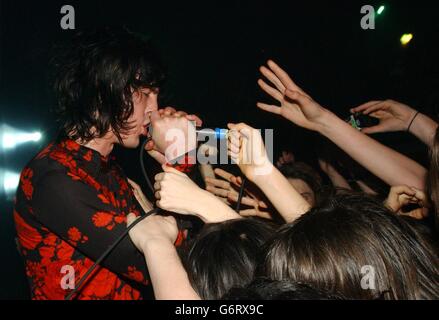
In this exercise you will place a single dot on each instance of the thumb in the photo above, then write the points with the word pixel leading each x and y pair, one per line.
pixel 131 217
pixel 157 156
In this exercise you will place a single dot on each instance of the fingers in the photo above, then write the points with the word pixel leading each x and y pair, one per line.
pixel 157 156
pixel 255 213
pixel 247 201
pixel 167 111
pixel 241 129
pixel 193 117
pixel 179 114
pixel 419 213
pixel 133 184
pixel 262 205
pixel 222 199
pixel 276 94
pixel 365 106
pixel 218 192
pixel 237 181
pixel 223 174
pixel 421 197
pixel 218 183
pixel 234 138
pixel 268 107
pixel 400 196
pixel 273 78
pixel 283 77
pixel 159 176
pixel 399 190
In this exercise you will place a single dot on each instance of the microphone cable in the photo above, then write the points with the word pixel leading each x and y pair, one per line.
pixel 77 289
pixel 142 165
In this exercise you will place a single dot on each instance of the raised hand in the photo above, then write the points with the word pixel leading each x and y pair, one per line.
pixel 156 147
pixel 247 150
pixel 295 105
pixel 176 192
pixel 401 196
pixel 392 115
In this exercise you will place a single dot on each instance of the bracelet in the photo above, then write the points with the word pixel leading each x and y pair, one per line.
pixel 416 114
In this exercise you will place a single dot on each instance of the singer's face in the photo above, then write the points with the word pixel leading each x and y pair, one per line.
pixel 144 102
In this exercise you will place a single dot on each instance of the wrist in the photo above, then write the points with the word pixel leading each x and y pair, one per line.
pixel 156 241
pixel 413 120
pixel 326 122
pixel 407 117
pixel 211 209
pixel 260 173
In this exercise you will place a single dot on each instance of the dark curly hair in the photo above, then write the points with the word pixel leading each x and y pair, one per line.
pixel 94 77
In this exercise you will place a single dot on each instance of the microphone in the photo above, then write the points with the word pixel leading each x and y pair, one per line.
pixel 218 133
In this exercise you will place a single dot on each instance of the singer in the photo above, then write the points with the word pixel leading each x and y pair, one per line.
pixel 73 198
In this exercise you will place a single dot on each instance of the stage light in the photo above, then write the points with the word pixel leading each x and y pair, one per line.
pixel 9 180
pixel 380 10
pixel 406 38
pixel 10 137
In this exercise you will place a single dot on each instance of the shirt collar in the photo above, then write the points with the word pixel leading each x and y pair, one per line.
pixel 89 159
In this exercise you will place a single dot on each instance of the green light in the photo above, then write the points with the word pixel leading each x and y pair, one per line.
pixel 381 9
pixel 406 38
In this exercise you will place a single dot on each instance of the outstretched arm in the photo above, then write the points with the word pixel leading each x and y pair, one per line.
pixel 396 116
pixel 298 107
pixel 338 181
pixel 176 192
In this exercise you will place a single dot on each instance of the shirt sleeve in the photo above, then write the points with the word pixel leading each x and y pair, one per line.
pixel 73 211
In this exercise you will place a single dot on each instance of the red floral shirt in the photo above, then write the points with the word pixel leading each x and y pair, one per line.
pixel 71 206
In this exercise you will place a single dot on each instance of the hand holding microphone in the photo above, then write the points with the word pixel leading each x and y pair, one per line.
pixel 172 134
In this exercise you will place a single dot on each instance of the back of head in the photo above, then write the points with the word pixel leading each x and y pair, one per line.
pixel 267 289
pixel 353 245
pixel 226 255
